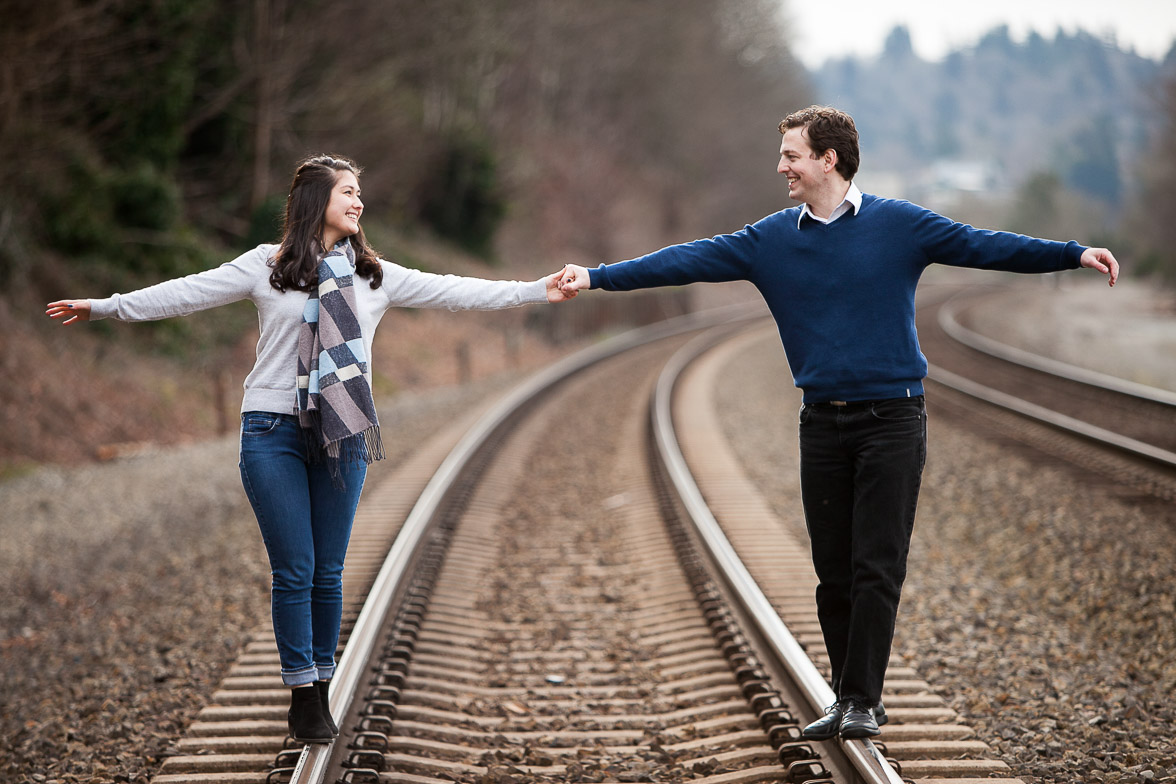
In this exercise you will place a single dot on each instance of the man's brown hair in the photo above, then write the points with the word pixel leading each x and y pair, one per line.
pixel 828 129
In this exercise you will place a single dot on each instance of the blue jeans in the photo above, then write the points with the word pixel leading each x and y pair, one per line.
pixel 305 522
pixel 861 465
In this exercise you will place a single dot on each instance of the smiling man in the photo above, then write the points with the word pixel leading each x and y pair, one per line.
pixel 839 274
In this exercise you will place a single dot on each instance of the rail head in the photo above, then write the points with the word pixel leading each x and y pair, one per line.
pixel 862 755
pixel 947 318
pixel 949 322
pixel 1062 422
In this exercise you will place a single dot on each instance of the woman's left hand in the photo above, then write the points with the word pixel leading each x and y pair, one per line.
pixel 555 292
pixel 74 310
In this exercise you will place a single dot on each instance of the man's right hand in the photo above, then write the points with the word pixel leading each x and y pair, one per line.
pixel 575 278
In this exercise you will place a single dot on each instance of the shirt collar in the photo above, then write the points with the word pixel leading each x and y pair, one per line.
pixel 851 203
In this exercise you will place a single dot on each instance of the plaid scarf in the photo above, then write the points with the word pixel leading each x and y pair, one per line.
pixel 335 405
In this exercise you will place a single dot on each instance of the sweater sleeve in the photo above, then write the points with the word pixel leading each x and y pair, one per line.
pixel 716 260
pixel 959 245
pixel 410 288
pixel 232 281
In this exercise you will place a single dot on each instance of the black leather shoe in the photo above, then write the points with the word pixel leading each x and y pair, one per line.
pixel 859 720
pixel 827 726
pixel 306 721
pixel 322 687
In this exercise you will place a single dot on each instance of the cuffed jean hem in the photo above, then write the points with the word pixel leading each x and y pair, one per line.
pixel 301 677
pixel 326 671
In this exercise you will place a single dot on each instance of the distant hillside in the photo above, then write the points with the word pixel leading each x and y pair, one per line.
pixel 989 117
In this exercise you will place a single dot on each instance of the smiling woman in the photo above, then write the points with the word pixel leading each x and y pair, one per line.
pixel 309 428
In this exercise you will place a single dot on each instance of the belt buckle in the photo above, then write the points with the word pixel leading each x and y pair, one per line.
pixel 837 403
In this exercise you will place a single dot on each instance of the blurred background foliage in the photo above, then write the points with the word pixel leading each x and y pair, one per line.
pixel 142 139
pixel 146 139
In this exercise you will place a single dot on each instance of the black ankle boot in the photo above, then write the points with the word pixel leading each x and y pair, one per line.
pixel 307 724
pixel 321 687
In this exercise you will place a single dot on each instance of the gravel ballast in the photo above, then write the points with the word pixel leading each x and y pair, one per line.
pixel 1040 596
pixel 130 586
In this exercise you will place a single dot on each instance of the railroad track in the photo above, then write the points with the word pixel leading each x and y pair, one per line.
pixel 543 594
pixel 1085 417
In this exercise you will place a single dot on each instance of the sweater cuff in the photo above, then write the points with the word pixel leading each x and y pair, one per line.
pixel 535 292
pixel 103 308
pixel 596 277
pixel 1073 254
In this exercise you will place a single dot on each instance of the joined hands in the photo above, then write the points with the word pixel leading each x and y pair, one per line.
pixel 573 278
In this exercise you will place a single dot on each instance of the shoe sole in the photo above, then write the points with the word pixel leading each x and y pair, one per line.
pixel 821 736
pixel 311 740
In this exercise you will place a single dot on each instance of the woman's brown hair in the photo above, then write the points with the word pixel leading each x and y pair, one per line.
pixel 296 263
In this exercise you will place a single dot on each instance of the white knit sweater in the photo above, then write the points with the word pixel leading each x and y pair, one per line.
pixel 270 386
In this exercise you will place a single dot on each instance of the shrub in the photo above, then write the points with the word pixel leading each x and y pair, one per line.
pixel 461 197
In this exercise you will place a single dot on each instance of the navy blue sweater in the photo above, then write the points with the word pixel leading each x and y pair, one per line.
pixel 843 294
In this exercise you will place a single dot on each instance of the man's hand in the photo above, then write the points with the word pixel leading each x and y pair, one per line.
pixel 574 279
pixel 1102 260
pixel 555 290
pixel 71 310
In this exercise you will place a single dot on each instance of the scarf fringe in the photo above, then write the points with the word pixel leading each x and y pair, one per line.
pixel 366 447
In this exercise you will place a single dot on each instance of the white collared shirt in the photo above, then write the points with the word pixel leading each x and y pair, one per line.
pixel 852 201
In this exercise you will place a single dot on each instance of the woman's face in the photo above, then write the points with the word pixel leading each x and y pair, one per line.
pixel 343 210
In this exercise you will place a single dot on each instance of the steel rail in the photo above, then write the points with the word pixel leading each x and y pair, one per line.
pixel 862 755
pixel 314 760
pixel 949 323
pixel 1060 421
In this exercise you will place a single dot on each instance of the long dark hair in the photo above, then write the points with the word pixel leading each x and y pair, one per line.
pixel 298 256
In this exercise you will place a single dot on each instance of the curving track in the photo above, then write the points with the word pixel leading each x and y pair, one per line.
pixel 566 619
pixel 1121 427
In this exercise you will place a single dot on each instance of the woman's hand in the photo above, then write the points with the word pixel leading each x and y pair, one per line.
pixel 72 310
pixel 555 290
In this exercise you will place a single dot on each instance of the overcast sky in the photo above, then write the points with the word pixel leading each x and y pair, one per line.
pixel 858 27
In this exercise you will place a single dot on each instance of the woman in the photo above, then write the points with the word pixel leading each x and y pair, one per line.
pixel 308 423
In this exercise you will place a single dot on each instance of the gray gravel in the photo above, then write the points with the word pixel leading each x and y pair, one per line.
pixel 129 587
pixel 1041 598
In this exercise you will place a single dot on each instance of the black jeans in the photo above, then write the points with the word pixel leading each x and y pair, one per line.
pixel 860 469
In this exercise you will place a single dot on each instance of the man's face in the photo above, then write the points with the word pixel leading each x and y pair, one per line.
pixel 805 171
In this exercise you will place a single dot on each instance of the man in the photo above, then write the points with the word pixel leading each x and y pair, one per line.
pixel 839 274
